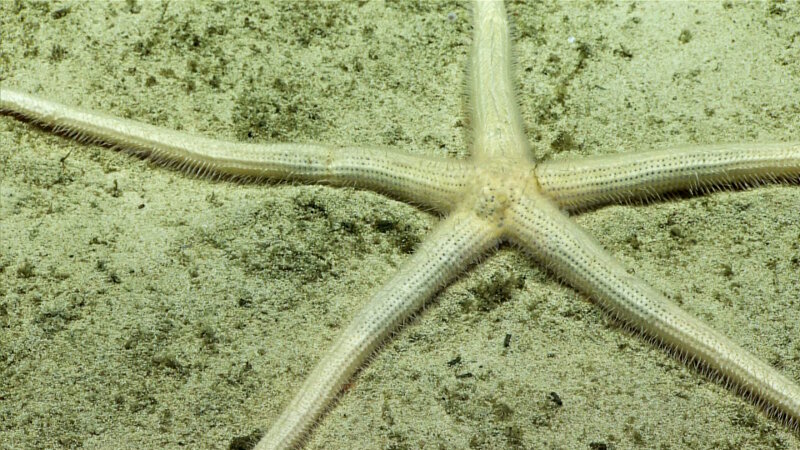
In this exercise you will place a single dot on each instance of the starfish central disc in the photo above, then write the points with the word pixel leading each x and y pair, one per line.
pixel 496 188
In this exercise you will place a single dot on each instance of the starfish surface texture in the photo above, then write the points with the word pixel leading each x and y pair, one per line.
pixel 229 337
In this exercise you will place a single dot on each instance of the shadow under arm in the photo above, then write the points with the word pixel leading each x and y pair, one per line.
pixel 457 241
pixel 579 184
pixel 542 229
pixel 426 181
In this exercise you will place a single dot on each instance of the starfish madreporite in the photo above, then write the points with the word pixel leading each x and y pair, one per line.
pixel 60 317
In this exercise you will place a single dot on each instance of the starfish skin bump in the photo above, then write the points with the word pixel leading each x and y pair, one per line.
pixel 502 194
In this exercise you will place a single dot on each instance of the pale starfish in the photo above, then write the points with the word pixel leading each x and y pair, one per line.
pixel 499 206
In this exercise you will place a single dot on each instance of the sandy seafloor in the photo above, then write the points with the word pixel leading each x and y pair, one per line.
pixel 142 308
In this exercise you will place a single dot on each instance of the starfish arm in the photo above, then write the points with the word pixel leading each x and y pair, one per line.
pixel 497 122
pixel 426 181
pixel 456 242
pixel 577 184
pixel 541 228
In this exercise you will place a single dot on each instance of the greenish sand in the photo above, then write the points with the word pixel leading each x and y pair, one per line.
pixel 142 308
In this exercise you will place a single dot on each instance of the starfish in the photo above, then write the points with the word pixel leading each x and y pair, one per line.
pixel 501 194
